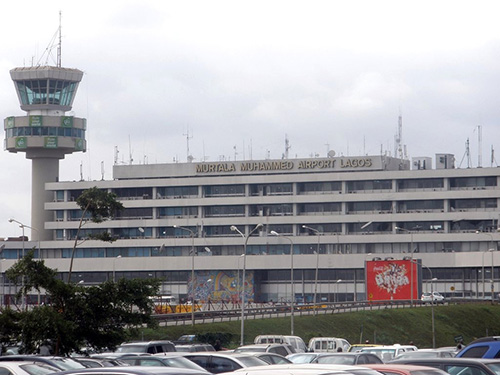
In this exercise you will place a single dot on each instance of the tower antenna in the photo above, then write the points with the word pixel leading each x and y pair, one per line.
pixel 287 146
pixel 59 46
pixel 189 157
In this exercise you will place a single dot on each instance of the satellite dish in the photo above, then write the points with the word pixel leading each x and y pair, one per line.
pixel 331 154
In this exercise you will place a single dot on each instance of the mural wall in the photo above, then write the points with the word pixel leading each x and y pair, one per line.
pixel 223 286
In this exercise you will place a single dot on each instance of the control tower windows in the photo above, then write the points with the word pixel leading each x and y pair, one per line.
pixel 48 91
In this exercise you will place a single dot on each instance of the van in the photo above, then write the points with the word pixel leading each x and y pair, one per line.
pixel 150 347
pixel 328 344
pixel 295 341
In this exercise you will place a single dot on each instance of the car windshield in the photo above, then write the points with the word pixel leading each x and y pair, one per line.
pixel 384 354
pixel 35 369
pixel 495 367
pixel 180 362
pixel 67 363
pixel 131 349
pixel 251 349
pixel 302 358
pixel 336 359
pixel 252 361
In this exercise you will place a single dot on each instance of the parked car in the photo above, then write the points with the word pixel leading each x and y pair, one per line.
pixel 457 366
pixel 485 347
pixel 217 362
pixel 271 358
pixel 194 348
pixel 347 358
pixel 26 368
pixel 174 360
pixel 312 368
pixel 358 347
pixel 302 357
pixel 328 344
pixel 295 341
pixel 281 349
pixel 399 369
pixel 61 363
pixel 150 347
pixel 389 352
pixel 134 370
pixel 427 353
pixel 435 297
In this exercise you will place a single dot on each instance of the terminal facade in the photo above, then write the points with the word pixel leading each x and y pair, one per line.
pixel 184 219
pixel 275 230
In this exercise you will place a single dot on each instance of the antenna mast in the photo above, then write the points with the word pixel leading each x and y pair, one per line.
pixel 398 139
pixel 480 146
pixel 189 157
pixel 287 146
pixel 59 46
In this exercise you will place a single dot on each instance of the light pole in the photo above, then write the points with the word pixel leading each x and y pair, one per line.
pixel 292 284
pixel 337 290
pixel 317 232
pixel 192 235
pixel 492 266
pixel 411 260
pixel 114 260
pixel 243 276
pixel 432 304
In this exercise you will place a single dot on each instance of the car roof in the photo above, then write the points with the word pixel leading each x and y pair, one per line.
pixel 390 366
pixel 135 370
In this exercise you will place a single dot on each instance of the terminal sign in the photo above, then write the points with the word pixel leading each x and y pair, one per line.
pixel 286 165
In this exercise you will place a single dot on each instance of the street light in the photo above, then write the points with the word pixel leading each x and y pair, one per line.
pixel 243 276
pixel 432 303
pixel 114 260
pixel 492 266
pixel 318 233
pixel 337 290
pixel 411 260
pixel 292 285
pixel 192 235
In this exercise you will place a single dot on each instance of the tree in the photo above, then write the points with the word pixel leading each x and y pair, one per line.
pixel 76 316
pixel 100 205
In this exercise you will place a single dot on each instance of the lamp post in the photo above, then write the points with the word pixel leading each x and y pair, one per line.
pixel 191 234
pixel 292 284
pixel 432 311
pixel 411 260
pixel 337 290
pixel 433 328
pixel 492 266
pixel 318 233
pixel 243 276
pixel 114 260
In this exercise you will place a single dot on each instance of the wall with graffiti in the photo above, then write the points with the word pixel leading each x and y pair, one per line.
pixel 222 286
pixel 393 280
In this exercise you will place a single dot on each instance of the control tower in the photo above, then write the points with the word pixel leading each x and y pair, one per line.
pixel 46 133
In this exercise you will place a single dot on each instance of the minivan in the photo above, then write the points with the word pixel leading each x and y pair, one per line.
pixel 328 344
pixel 295 341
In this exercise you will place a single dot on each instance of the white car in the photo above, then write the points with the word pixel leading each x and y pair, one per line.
pixel 429 298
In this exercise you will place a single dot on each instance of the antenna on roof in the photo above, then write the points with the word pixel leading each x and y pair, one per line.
pixel 287 146
pixel 59 45
pixel 53 44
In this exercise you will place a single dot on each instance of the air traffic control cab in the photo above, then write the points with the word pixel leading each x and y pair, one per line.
pixel 46 134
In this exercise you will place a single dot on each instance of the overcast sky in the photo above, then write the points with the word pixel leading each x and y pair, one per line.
pixel 234 78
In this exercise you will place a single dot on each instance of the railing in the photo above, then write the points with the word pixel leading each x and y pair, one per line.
pixel 229 312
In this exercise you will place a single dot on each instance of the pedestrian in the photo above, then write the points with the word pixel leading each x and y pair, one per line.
pixel 217 345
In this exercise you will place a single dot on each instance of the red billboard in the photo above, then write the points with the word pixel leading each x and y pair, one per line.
pixel 392 280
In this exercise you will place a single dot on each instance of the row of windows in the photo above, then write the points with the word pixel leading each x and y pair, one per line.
pixel 45 131
pixel 435 226
pixel 287 188
pixel 50 91
pixel 326 208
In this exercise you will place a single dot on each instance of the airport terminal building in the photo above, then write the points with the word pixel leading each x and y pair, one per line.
pixel 205 225
pixel 335 213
